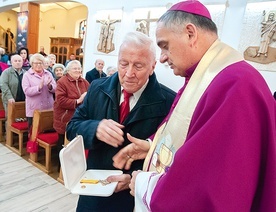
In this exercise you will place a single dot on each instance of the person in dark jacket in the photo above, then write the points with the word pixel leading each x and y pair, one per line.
pixel 98 119
pixel 96 72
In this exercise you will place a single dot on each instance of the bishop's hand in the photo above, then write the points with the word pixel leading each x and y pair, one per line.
pixel 137 150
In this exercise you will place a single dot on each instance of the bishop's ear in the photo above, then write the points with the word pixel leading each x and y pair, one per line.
pixel 191 30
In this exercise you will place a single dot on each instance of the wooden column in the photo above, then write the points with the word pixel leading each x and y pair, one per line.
pixel 33 25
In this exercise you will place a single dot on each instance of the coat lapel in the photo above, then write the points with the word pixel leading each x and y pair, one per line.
pixel 149 105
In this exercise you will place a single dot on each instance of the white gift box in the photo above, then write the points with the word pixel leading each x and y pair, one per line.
pixel 73 165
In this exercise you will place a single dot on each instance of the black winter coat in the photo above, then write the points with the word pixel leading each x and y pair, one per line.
pixel 102 102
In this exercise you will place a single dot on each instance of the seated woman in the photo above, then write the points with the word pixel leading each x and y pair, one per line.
pixel 70 92
pixel 38 85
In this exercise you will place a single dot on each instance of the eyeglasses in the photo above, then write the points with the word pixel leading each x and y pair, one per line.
pixel 37 63
pixel 76 68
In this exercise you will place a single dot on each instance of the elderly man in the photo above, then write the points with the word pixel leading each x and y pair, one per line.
pixel 103 120
pixel 96 72
pixel 11 80
pixel 216 150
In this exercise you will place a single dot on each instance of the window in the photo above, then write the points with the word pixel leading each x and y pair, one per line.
pixel 82 29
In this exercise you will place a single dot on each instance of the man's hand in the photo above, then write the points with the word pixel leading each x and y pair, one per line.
pixel 110 132
pixel 137 150
pixel 123 181
pixel 132 182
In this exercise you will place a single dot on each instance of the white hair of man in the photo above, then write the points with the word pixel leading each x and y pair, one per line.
pixel 140 39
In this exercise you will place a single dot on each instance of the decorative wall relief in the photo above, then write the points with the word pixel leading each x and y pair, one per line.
pixel 106 44
pixel 144 24
pixel 142 27
pixel 264 53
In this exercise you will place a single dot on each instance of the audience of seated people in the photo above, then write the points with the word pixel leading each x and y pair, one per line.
pixel 38 84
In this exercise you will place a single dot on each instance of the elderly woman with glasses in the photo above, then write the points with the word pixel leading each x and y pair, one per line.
pixel 39 86
pixel 70 92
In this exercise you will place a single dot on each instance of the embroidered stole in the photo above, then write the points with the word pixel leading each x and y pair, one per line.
pixel 172 134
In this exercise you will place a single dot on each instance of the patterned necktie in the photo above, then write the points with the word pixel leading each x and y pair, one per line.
pixel 124 107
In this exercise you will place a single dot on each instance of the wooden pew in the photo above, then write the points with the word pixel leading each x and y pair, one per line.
pixel 60 177
pixel 43 133
pixel 16 123
pixel 2 119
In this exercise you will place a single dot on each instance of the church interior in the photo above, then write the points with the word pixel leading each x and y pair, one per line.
pixel 239 25
pixel 66 27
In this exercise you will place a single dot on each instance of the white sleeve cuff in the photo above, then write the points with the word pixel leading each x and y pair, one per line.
pixel 144 186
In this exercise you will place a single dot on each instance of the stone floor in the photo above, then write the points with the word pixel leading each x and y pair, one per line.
pixel 23 187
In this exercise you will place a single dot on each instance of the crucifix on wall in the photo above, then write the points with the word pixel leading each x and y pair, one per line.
pixel 106 44
pixel 144 24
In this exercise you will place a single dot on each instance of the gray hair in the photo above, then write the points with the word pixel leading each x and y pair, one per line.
pixel 59 65
pixel 70 64
pixel 140 39
pixel 111 68
pixel 52 56
pixel 175 20
pixel 46 59
pixel 37 56
pixel 14 56
pixel 2 51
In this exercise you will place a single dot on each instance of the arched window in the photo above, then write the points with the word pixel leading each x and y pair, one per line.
pixel 82 29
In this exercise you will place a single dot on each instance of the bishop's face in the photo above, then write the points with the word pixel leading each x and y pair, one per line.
pixel 175 48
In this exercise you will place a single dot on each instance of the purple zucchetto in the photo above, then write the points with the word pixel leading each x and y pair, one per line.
pixel 193 7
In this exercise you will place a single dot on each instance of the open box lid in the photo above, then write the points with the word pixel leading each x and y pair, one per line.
pixel 73 162
pixel 73 165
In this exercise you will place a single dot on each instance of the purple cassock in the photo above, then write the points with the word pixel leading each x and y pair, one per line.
pixel 228 161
